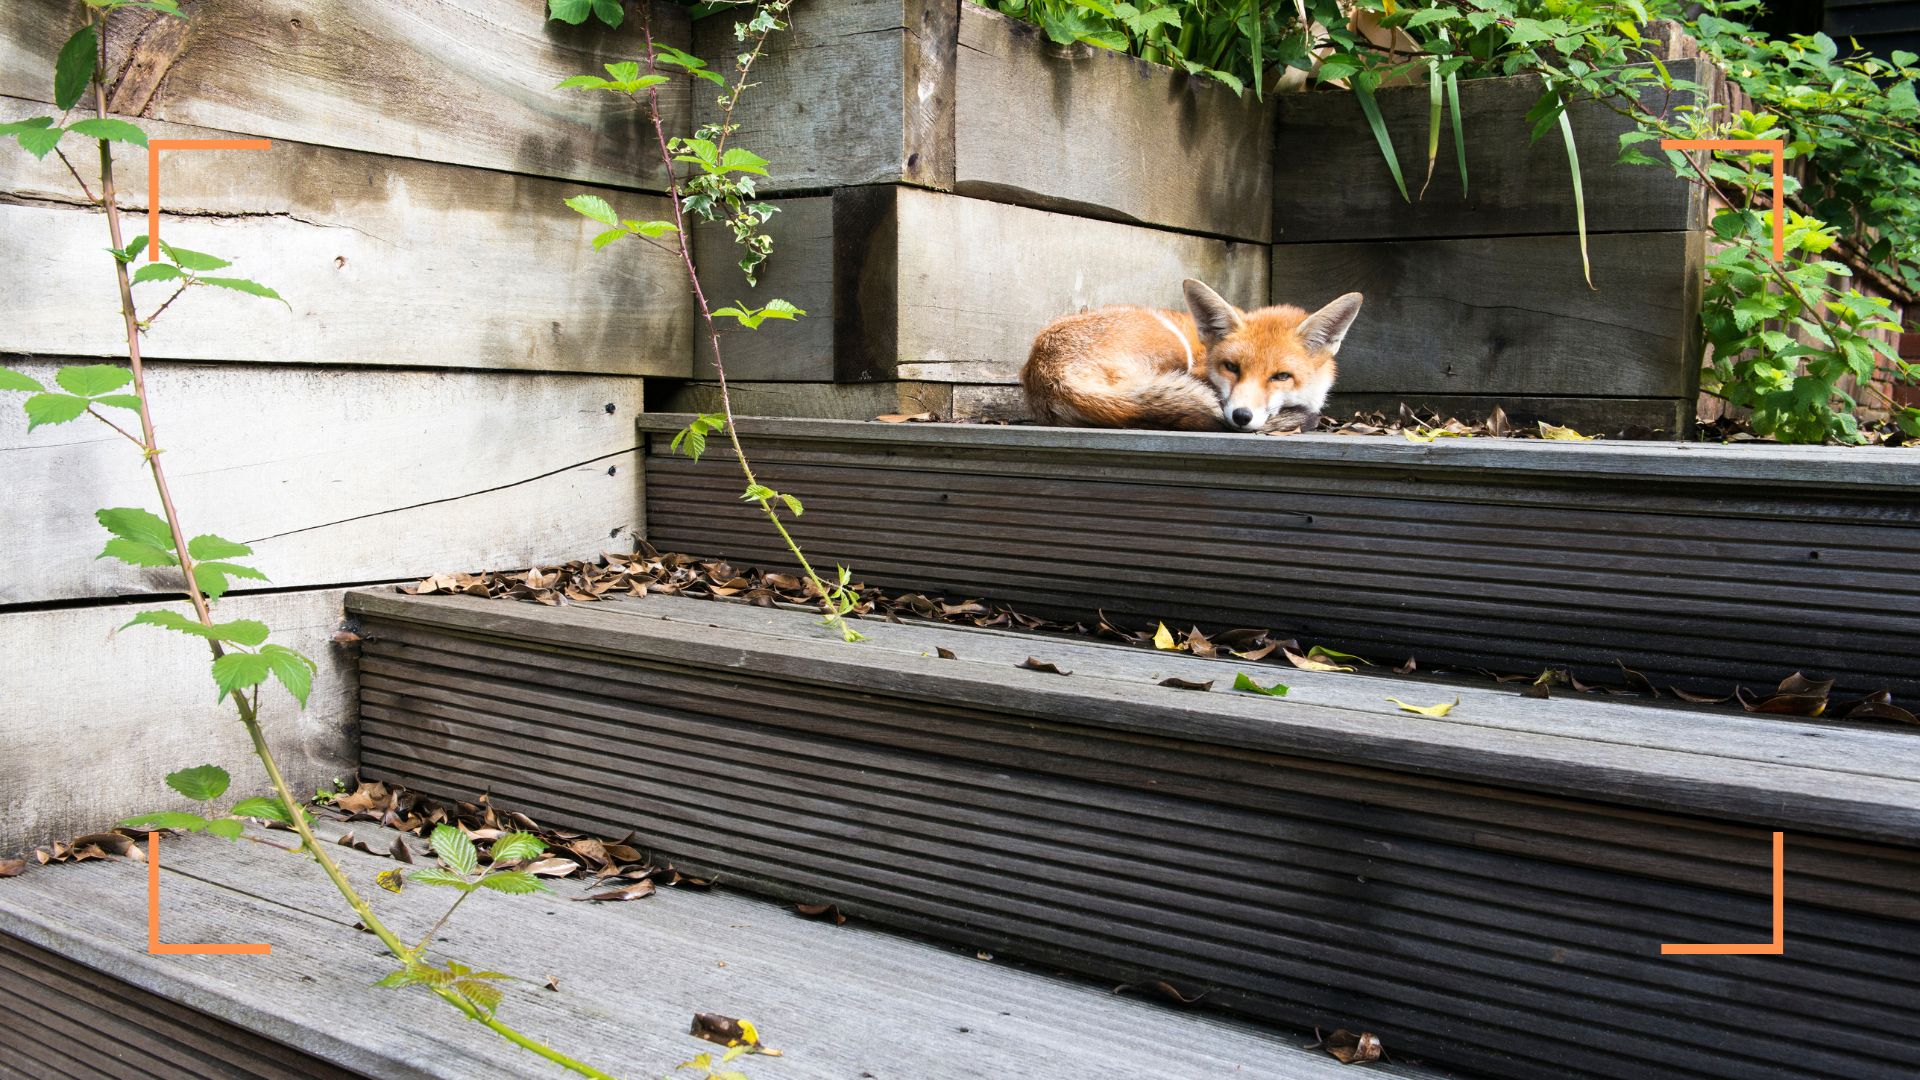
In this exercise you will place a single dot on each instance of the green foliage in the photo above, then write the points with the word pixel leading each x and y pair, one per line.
pixel 1241 681
pixel 752 317
pixel 456 847
pixel 1229 41
pixel 73 68
pixel 709 1069
pixel 111 130
pixel 576 11
pixel 200 783
pixel 87 386
pixel 692 439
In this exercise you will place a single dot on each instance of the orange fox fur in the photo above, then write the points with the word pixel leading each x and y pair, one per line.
pixel 1210 368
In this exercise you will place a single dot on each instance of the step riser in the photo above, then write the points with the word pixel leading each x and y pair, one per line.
pixel 1517 935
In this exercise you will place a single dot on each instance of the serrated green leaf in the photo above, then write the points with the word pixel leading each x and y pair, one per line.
pixel 209 546
pixel 212 577
pixel 136 553
pixel 294 671
pixel 200 783
pixel 227 828
pixel 168 819
pixel 793 504
pixel 193 260
pixel 119 401
pixel 608 237
pixel 569 11
pixel 40 141
pixel 738 160
pixel 157 272
pixel 251 288
pixel 516 846
pixel 513 882
pixel 456 848
pixel 92 380
pixel 583 82
pixel 249 632
pixel 1242 682
pixel 433 875
pixel 31 124
pixel 134 523
pixel 14 380
pixel 239 670
pixel 73 68
pixel 595 207
pixel 651 229
pixel 111 130
pixel 610 12
pixel 484 996
pixel 270 809
pixel 45 410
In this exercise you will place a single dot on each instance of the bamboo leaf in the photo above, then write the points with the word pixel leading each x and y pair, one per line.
pixel 1436 95
pixel 1579 193
pixel 1459 131
pixel 1379 126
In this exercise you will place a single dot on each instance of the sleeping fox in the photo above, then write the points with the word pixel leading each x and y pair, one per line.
pixel 1210 368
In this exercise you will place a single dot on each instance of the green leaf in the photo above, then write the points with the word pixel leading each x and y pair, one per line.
pixel 136 553
pixel 456 848
pixel 1372 110
pixel 651 228
pixel 513 882
pixel 73 68
pixel 595 207
pixel 134 523
pixel 609 12
pixel 583 82
pixel 294 671
pixel 193 260
pixel 270 809
pixel 200 783
pixel 251 288
pixel 1242 682
pixel 239 670
pixel 92 380
pixel 14 380
pixel 212 577
pixel 793 504
pixel 608 237
pixel 516 846
pixel 156 272
pixel 227 828
pixel 111 130
pixel 569 11
pixel 484 996
pixel 248 632
pixel 36 123
pixel 168 819
pixel 40 141
pixel 119 401
pixel 47 409
pixel 209 546
pixel 433 875
pixel 758 493
pixel 1579 194
pixel 738 160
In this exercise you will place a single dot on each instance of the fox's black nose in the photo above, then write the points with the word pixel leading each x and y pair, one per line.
pixel 1242 417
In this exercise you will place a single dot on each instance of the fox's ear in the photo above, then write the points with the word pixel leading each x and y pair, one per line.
pixel 1215 317
pixel 1327 328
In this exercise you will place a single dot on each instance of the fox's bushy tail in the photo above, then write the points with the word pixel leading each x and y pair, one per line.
pixel 1174 401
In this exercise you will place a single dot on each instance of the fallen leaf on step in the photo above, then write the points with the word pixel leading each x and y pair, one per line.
pixel 1407 668
pixel 400 851
pixel 1700 699
pixel 1163 638
pixel 1242 682
pixel 824 912
pixel 945 653
pixel 1881 710
pixel 1561 434
pixel 905 418
pixel 391 880
pixel 1198 645
pixel 12 867
pixel 362 799
pixel 639 890
pixel 1172 993
pixel 1638 681
pixel 1187 684
pixel 553 984
pixel 1035 664
pixel 1441 709
pixel 1351 1049
pixel 552 866
pixel 724 1030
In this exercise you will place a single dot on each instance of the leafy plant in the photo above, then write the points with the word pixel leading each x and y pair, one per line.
pixel 242 657
pixel 1230 41
pixel 721 188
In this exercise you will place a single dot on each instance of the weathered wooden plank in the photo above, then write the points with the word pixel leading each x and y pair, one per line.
pixel 1002 402
pixel 84 752
pixel 465 84
pixel 876 80
pixel 1589 415
pixel 1330 183
pixel 333 475
pixel 382 260
pixel 1511 315
pixel 844 401
pixel 1092 131
pixel 950 289
pixel 800 270
pixel 826 995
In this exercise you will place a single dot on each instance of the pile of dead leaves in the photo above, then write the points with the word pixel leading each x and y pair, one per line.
pixel 119 843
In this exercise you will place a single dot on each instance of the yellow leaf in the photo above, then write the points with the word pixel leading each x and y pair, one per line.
pixel 1163 638
pixel 1564 434
pixel 1415 436
pixel 1441 709
pixel 390 880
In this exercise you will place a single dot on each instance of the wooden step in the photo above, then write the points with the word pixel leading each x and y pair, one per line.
pixel 1700 565
pixel 1489 889
pixel 80 996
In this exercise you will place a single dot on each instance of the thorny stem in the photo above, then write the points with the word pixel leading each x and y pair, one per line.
pixel 833 616
pixel 428 939
pixel 169 302
pixel 249 715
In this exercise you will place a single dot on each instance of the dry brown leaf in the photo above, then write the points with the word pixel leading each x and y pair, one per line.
pixel 945 653
pixel 1407 668
pixel 1354 1049
pixel 1881 710
pixel 1198 645
pixel 905 418
pixel 1700 699
pixel 1172 993
pixel 12 867
pixel 400 851
pixel 1187 684
pixel 1035 664
pixel 553 984
pixel 724 1030
pixel 639 890
pixel 1638 681
pixel 825 912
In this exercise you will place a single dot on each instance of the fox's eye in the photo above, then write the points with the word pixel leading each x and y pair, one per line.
pixel 1285 376
pixel 1229 367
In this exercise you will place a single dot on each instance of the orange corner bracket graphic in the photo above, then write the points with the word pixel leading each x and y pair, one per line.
pixel 1779 943
pixel 160 948
pixel 1779 149
pixel 154 146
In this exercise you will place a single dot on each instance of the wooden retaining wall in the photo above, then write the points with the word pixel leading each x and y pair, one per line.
pixel 451 383
pixel 1700 565
pixel 1487 892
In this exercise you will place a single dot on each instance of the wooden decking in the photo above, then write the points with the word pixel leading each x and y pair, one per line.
pixel 1700 565
pixel 840 1002
pixel 1488 890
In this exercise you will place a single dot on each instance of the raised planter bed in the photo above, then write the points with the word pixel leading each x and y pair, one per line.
pixel 1487 891
pixel 1700 565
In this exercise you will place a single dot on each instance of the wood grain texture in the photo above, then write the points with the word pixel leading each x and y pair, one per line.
pixel 1006 809
pixel 873 81
pixel 1330 182
pixel 830 997
pixel 942 288
pixel 800 270
pixel 82 752
pixel 466 84
pixel 333 475
pixel 1511 315
pixel 1092 131
pixel 1590 415
pixel 843 401
pixel 382 260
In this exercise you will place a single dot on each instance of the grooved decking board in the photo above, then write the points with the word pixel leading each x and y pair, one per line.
pixel 1699 565
pixel 840 1002
pixel 1102 823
